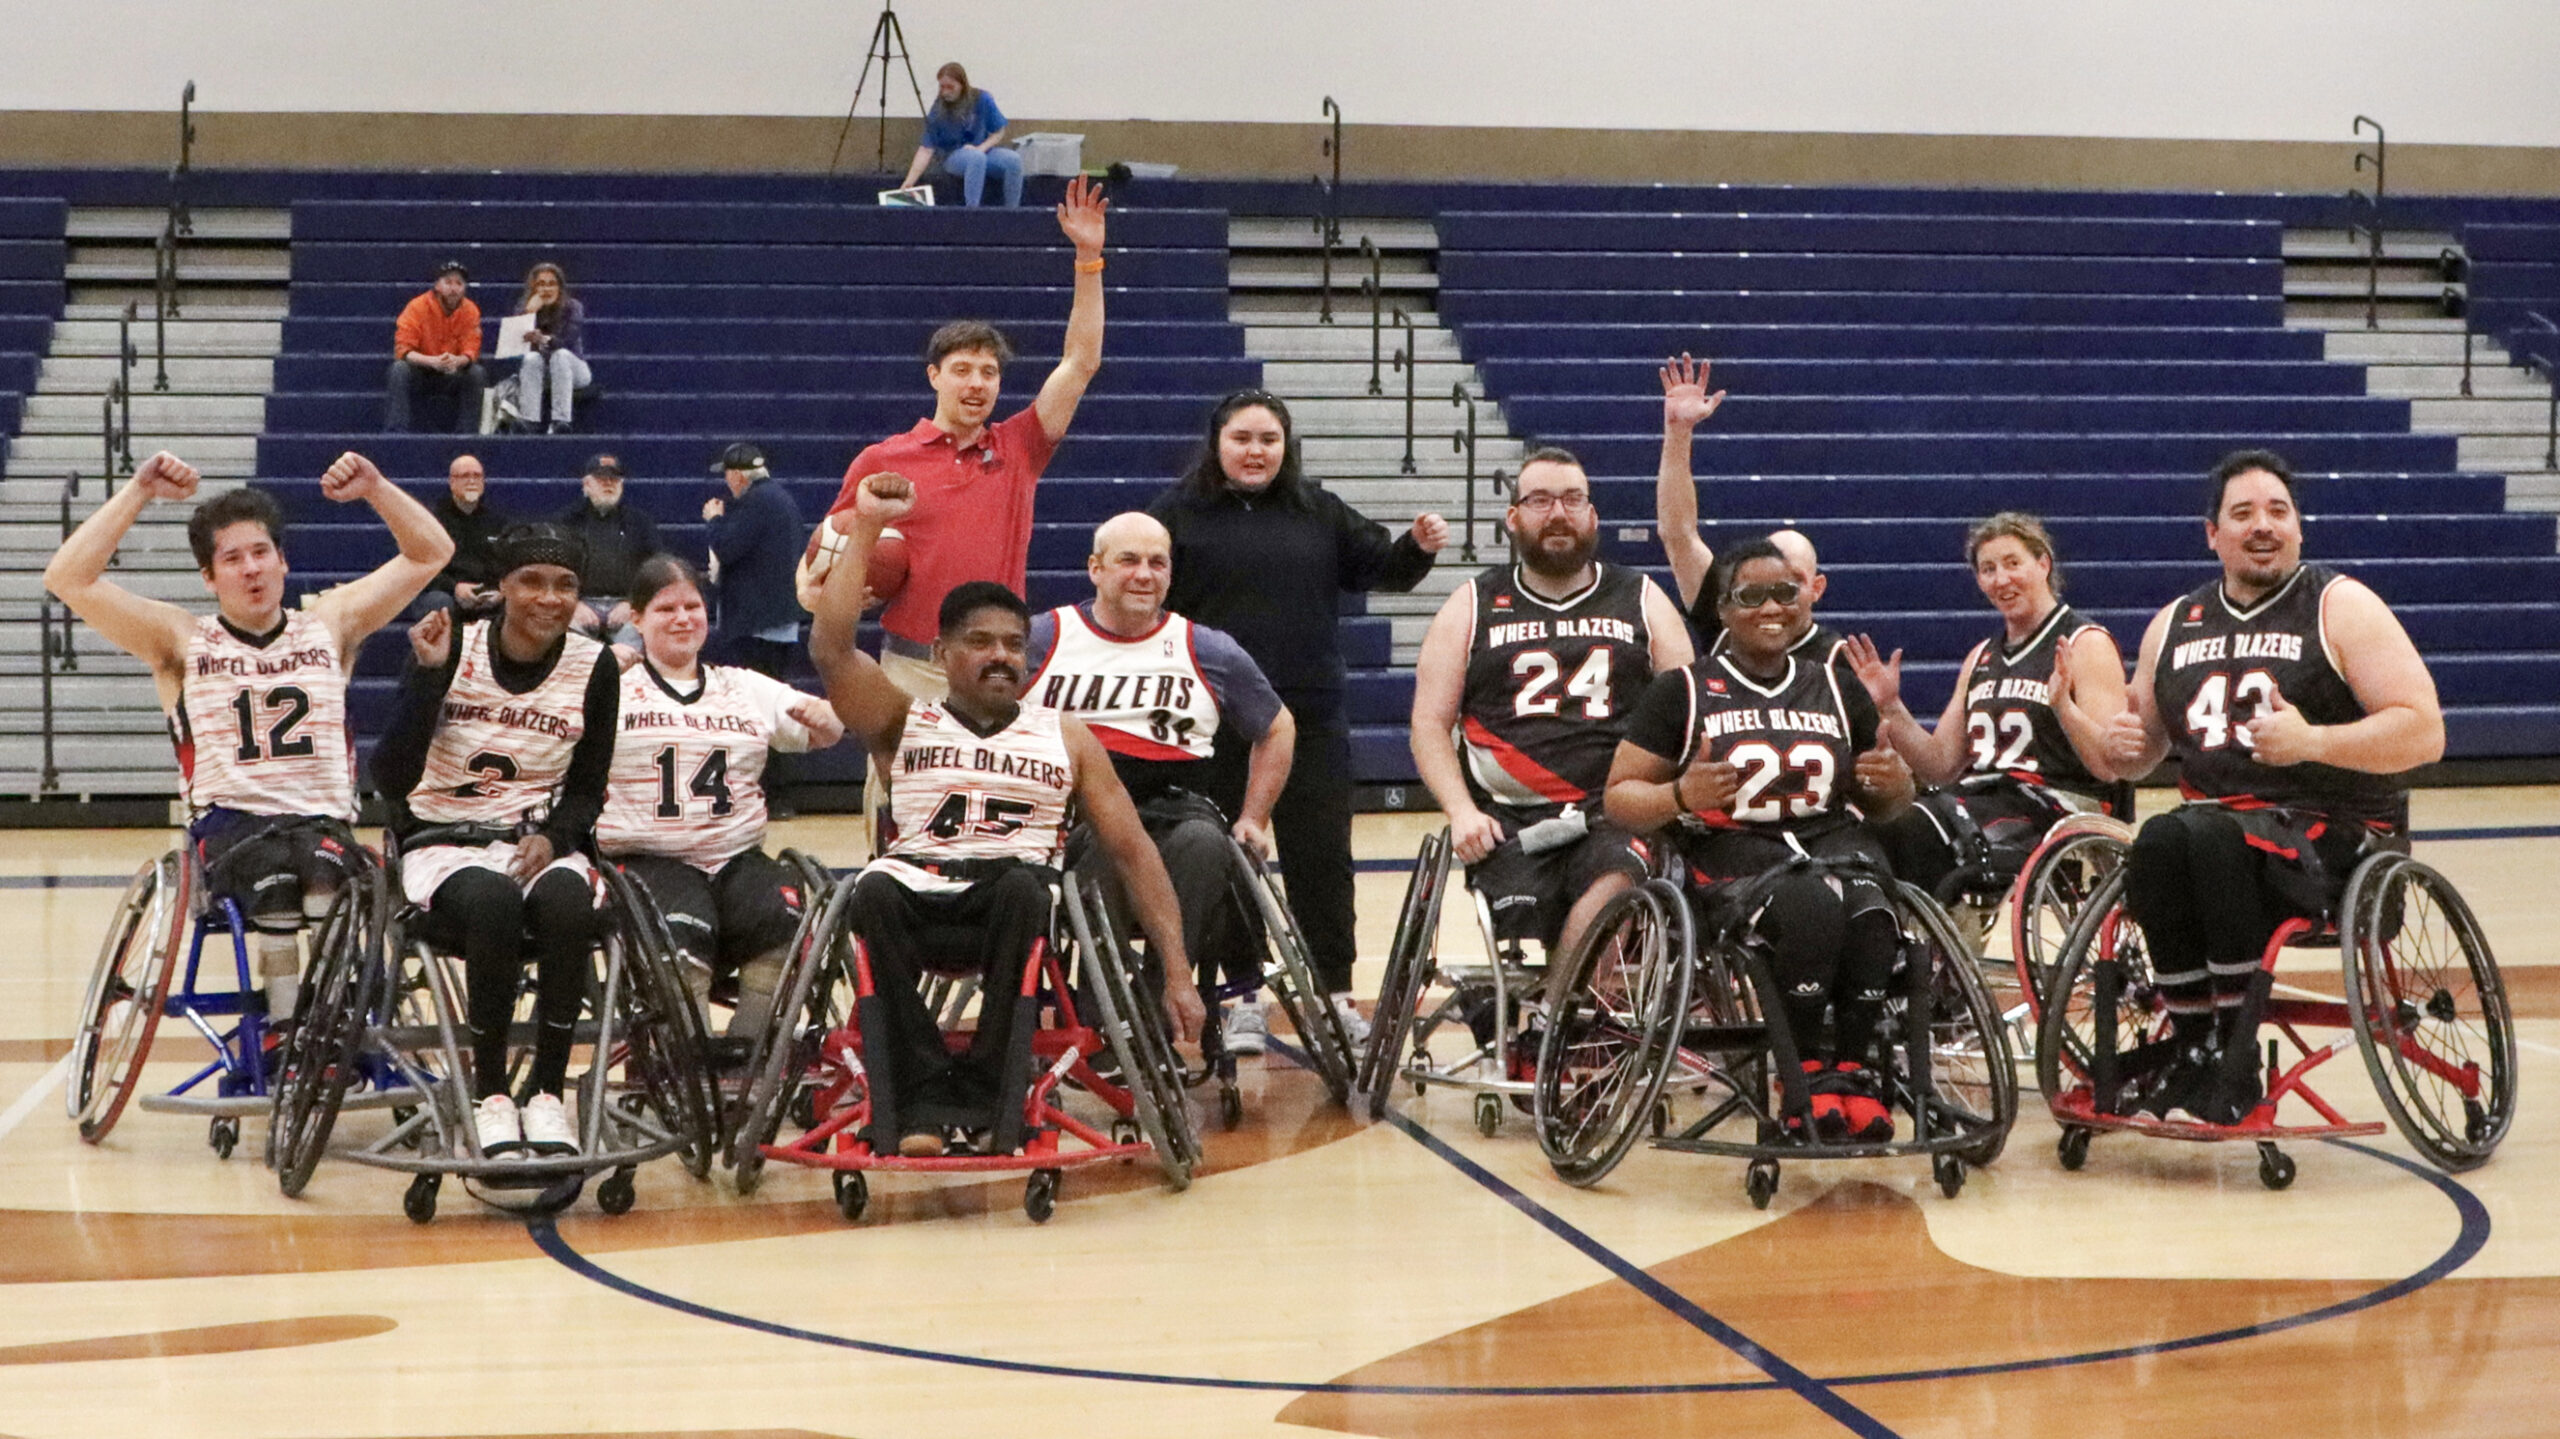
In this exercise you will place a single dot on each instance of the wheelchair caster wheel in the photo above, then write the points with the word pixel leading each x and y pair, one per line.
pixel 1126 1131
pixel 420 1202
pixel 804 1108
pixel 1488 1115
pixel 224 1135
pixel 1760 1182
pixel 1420 1089
pixel 2073 1148
pixel 616 1194
pixel 1040 1195
pixel 1662 1119
pixel 853 1194
pixel 1230 1107
pixel 1949 1172
pixel 2275 1167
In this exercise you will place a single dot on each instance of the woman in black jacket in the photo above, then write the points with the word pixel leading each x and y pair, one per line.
pixel 1261 552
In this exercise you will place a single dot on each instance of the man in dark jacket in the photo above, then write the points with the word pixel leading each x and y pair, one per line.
pixel 470 582
pixel 756 536
pixel 617 536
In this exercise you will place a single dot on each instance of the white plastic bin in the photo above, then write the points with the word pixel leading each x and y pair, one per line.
pixel 1050 152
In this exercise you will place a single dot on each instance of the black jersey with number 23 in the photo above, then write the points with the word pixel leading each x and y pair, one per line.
pixel 1794 739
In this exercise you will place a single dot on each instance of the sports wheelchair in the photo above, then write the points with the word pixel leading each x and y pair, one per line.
pixel 1670 992
pixel 1081 962
pixel 646 1091
pixel 2422 1000
pixel 166 910
pixel 1288 971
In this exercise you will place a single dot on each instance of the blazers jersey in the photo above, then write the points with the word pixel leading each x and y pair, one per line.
pixel 688 770
pixel 1794 739
pixel 262 728
pixel 2217 665
pixel 1156 701
pixel 498 757
pixel 1549 685
pixel 957 795
pixel 2009 725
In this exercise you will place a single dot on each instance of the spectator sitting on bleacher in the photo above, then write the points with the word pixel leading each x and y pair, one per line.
pixel 469 582
pixel 552 370
pixel 966 129
pixel 617 538
pixel 756 535
pixel 434 353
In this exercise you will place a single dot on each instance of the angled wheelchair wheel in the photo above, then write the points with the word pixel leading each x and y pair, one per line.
pixel 2102 1002
pixel 1132 1023
pixel 1972 1076
pixel 1409 968
pixel 1616 1022
pixel 2430 1010
pixel 127 991
pixel 2075 858
pixel 1292 974
pixel 341 994
pixel 664 1049
pixel 814 998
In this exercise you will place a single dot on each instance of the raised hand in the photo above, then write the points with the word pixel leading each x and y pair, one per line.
pixel 350 477
pixel 1431 532
pixel 1080 216
pixel 1884 778
pixel 431 639
pixel 1685 401
pixel 166 477
pixel 1881 676
pixel 885 498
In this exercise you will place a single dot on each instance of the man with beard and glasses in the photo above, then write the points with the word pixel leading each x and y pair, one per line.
pixel 2296 706
pixel 980 787
pixel 1520 699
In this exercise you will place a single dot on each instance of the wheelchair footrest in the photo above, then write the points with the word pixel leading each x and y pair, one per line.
pixel 1741 1149
pixel 2076 1107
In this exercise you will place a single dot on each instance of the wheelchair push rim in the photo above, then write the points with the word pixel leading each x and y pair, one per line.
pixel 120 1012
pixel 2430 1011
pixel 1614 1031
pixel 1408 972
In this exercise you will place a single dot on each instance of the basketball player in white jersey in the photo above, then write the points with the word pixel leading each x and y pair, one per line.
pixel 256 694
pixel 980 784
pixel 1155 689
pixel 494 770
pixel 685 810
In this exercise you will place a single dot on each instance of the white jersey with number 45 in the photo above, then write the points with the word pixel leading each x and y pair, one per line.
pixel 955 794
pixel 688 771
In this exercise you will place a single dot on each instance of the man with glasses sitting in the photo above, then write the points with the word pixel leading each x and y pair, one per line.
pixel 1520 698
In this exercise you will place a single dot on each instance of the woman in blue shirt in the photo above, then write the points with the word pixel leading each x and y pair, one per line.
pixel 964 127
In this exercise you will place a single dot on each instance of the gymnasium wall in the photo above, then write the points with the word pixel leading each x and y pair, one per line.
pixel 2258 93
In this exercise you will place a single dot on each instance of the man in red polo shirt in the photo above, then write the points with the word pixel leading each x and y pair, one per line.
pixel 973 480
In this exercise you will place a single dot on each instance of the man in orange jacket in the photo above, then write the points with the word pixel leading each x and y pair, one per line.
pixel 434 350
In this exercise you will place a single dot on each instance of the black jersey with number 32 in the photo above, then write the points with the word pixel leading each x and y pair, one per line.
pixel 1795 739
pixel 1549 684
pixel 2009 725
pixel 2216 668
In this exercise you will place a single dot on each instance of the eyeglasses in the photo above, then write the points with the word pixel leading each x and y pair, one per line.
pixel 1752 597
pixel 1571 502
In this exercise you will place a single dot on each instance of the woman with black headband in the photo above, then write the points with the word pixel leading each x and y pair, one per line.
pixel 495 771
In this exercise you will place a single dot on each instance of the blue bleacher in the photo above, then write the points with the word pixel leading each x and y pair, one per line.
pixel 33 252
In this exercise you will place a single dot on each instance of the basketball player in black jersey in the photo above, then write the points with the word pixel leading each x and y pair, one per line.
pixel 1530 669
pixel 2023 738
pixel 1759 754
pixel 2296 706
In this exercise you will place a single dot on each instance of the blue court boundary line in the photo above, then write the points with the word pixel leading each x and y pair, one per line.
pixel 2467 1244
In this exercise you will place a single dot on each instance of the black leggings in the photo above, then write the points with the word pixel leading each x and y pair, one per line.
pixel 485 915
pixel 2198 890
pixel 1825 957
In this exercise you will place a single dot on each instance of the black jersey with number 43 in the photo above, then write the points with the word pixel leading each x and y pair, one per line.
pixel 1795 739
pixel 2009 725
pixel 1549 684
pixel 2216 668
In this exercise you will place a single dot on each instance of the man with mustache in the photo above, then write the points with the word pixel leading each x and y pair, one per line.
pixel 1520 698
pixel 2296 706
pixel 980 784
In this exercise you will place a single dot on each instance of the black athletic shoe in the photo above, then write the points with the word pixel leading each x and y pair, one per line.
pixel 2185 1088
pixel 2232 1100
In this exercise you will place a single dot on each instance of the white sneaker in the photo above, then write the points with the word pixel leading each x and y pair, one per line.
pixel 547 1130
pixel 1247 1030
pixel 495 1125
pixel 1354 1027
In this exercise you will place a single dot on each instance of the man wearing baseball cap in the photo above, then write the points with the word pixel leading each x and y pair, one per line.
pixel 756 535
pixel 617 537
pixel 435 349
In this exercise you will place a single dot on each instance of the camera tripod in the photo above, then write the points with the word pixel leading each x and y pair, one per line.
pixel 888 43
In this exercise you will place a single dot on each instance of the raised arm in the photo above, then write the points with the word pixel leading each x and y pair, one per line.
pixel 1080 218
pixel 1685 406
pixel 2086 694
pixel 1115 823
pixel 865 698
pixel 153 631
pixel 2403 725
pixel 1935 756
pixel 365 604
pixel 1439 687
pixel 2137 741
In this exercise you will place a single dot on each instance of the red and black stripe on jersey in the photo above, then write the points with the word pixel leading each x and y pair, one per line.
pixel 2009 724
pixel 2218 663
pixel 1549 684
pixel 1795 739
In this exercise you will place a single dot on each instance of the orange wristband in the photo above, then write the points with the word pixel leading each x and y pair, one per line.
pixel 1089 267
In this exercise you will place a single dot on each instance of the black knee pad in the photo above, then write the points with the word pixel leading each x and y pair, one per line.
pixel 1804 924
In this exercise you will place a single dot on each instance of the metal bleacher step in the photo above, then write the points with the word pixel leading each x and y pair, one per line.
pixel 170 414
pixel 1272 337
pixel 1298 232
pixel 205 332
pixel 2403 246
pixel 2482 415
pixel 1350 378
pixel 191 375
pixel 206 224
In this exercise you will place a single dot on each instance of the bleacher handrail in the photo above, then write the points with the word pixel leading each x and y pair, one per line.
pixel 1328 216
pixel 1374 285
pixel 1408 361
pixel 2373 227
pixel 1464 442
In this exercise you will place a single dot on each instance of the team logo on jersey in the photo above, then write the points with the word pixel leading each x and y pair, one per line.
pixel 1715 687
pixel 1502 602
pixel 1168 647
pixel 2195 614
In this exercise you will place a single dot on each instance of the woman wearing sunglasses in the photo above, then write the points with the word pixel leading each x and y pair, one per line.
pixel 2023 739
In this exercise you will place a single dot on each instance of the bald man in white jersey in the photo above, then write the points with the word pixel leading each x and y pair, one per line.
pixel 980 785
pixel 256 694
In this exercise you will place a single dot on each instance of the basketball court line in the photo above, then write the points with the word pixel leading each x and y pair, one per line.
pixel 35 1094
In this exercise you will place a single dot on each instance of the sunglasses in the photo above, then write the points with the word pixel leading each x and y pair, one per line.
pixel 1752 597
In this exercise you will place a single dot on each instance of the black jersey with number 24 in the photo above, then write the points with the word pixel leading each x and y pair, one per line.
pixel 1548 685
pixel 1794 739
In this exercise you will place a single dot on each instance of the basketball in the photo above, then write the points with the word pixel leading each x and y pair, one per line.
pixel 886 577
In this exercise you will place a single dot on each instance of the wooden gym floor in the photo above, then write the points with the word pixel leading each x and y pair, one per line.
pixel 1405 1278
